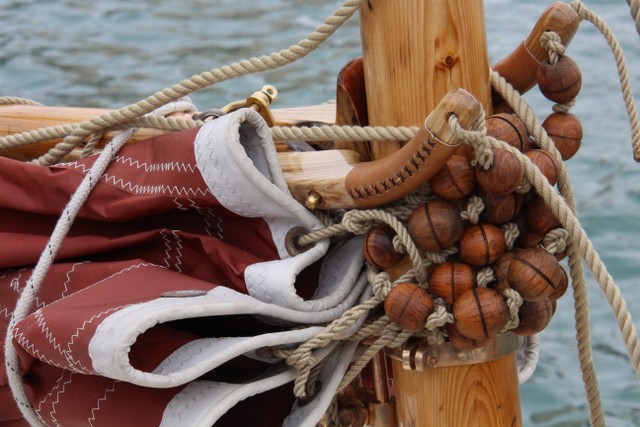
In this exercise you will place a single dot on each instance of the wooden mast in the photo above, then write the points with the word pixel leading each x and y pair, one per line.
pixel 414 52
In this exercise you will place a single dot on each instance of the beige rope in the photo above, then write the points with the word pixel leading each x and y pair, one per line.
pixel 200 81
pixel 621 63
pixel 14 100
pixel 343 133
pixel 580 292
pixel 634 6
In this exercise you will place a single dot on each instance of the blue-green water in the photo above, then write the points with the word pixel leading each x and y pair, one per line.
pixel 112 52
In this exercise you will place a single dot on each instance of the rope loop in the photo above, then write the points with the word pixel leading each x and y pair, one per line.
pixel 551 42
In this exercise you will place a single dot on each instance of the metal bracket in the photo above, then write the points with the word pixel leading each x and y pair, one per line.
pixel 417 355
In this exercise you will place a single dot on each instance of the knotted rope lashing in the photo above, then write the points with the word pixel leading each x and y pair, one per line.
pixel 575 241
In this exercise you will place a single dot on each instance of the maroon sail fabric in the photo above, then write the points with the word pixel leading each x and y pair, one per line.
pixel 150 227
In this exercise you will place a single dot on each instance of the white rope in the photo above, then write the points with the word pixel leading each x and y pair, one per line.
pixel 28 294
pixel 531 356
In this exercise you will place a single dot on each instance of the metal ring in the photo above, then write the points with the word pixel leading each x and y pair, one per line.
pixel 291 241
pixel 212 114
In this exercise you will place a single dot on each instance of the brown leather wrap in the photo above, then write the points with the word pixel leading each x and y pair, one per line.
pixel 389 179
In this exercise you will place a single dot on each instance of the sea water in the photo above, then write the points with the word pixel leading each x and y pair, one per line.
pixel 113 52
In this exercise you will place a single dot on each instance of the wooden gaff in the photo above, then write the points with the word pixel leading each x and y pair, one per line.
pixel 415 51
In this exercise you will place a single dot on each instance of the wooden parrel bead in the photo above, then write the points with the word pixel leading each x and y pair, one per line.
pixel 435 226
pixel 480 313
pixel 565 130
pixel 510 129
pixel 481 244
pixel 499 210
pixel 501 266
pixel 451 279
pixel 377 247
pixel 540 218
pixel 534 316
pixel 408 306
pixel 546 163
pixel 459 341
pixel 504 176
pixel 527 237
pixel 534 273
pixel 560 82
pixel 455 180
pixel 561 288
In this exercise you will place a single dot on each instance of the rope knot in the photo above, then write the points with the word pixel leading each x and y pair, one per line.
pixel 474 208
pixel 355 224
pixel 555 241
pixel 552 43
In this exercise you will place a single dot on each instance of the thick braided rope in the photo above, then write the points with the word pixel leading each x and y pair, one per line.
pixel 200 81
pixel 391 336
pixel 353 222
pixel 28 294
pixel 634 8
pixel 623 73
pixel 343 133
pixel 14 100
pixel 580 292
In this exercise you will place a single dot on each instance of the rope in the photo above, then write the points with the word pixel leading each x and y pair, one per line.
pixel 14 100
pixel 625 86
pixel 572 237
pixel 201 81
pixel 28 294
pixel 579 286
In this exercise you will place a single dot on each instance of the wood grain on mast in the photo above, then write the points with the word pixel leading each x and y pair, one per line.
pixel 414 53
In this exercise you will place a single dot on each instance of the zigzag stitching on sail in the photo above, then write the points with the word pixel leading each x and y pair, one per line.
pixel 153 189
pixel 156 167
pixel 94 410
pixel 137 164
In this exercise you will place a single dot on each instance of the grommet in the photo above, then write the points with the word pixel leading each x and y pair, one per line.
pixel 291 241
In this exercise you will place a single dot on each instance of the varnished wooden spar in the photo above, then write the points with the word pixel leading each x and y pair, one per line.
pixel 335 177
pixel 342 183
pixel 23 118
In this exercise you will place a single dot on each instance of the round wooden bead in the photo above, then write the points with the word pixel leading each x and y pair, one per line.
pixel 540 218
pixel 455 180
pixel 481 244
pixel 534 316
pixel 500 209
pixel 377 247
pixel 560 82
pixel 501 266
pixel 408 306
pixel 534 273
pixel 561 287
pixel 480 313
pixel 435 226
pixel 504 175
pixel 459 341
pixel 546 163
pixel 451 279
pixel 565 130
pixel 527 237
pixel 510 129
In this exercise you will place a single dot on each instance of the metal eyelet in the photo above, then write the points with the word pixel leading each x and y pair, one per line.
pixel 291 241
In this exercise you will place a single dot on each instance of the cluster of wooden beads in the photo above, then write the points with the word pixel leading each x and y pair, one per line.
pixel 479 312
